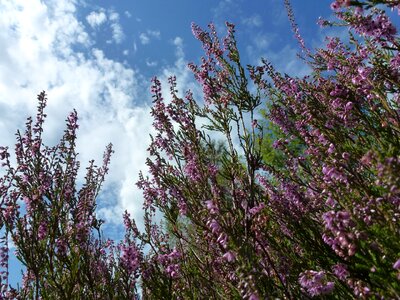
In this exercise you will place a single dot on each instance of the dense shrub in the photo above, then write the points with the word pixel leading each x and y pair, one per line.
pixel 53 226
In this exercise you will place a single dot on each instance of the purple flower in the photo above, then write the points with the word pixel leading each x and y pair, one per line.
pixel 256 209
pixel 316 283
pixel 182 207
pixel 345 156
pixel 331 148
pixel 340 271
pixel 173 270
pixel 229 256
pixel 130 258
pixel 333 174
pixel 349 106
pixel 127 220
pixel 192 169
pixel 61 246
pixel 223 240
pixel 212 207
pixel 214 226
pixel 253 297
pixel 42 231
pixel 4 255
pixel 339 232
pixel 396 265
pixel 335 5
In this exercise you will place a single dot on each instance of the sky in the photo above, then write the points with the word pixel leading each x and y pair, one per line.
pixel 99 57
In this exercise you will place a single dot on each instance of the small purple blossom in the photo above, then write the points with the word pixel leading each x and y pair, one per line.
pixel 396 265
pixel 42 231
pixel 316 283
pixel 61 244
pixel 229 256
pixel 212 207
pixel 192 168
pixel 130 258
pixel 340 271
pixel 254 297
pixel 339 232
pixel 214 226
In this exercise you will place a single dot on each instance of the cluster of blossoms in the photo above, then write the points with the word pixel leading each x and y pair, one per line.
pixel 316 283
pixel 340 232
pixel 170 262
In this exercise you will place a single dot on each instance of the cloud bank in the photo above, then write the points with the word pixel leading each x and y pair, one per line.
pixel 43 46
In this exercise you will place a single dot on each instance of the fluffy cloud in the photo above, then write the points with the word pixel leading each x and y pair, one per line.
pixel 38 42
pixel 95 19
pixel 117 32
pixel 146 37
pixel 151 63
pixel 253 21
pixel 127 14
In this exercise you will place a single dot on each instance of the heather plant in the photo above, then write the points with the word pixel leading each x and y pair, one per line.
pixel 223 239
pixel 347 147
pixel 348 169
pixel 52 225
pixel 319 215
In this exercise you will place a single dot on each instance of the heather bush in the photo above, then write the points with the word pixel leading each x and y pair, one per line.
pixel 309 208
pixel 52 224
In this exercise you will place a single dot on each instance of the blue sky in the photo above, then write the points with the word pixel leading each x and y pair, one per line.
pixel 148 28
pixel 99 57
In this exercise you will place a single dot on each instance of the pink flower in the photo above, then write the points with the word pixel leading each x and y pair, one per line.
pixel 396 265
pixel 229 256
pixel 340 271
pixel 253 297
pixel 42 231
pixel 212 207
pixel 335 5
pixel 316 283
pixel 214 226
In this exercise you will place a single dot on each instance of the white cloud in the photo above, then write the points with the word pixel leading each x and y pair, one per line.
pixel 118 34
pixel 104 92
pixel 223 9
pixel 291 65
pixel 134 47
pixel 116 28
pixel 178 42
pixel 114 16
pixel 127 14
pixel 146 37
pixel 262 41
pixel 253 21
pixel 95 19
pixel 151 63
